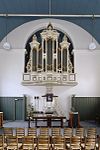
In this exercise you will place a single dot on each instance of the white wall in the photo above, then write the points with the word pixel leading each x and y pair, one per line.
pixel 88 73
pixel 86 64
pixel 88 78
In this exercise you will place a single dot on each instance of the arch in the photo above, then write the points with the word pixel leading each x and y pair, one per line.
pixel 79 37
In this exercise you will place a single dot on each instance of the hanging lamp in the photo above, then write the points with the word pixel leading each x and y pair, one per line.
pixel 6 44
pixel 92 45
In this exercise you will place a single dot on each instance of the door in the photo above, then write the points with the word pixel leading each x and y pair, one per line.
pixel 19 111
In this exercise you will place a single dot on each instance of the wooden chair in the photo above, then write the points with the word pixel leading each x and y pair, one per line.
pixel 12 143
pixel 43 143
pixel 28 143
pixel 44 131
pixel 90 143
pixel 91 132
pixel 92 129
pixel 2 144
pixel 55 132
pixel 75 143
pixel 20 132
pixel 68 132
pixel 58 143
pixel 81 133
pixel 8 132
pixel 32 132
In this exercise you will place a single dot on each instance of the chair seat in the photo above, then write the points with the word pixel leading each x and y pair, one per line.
pixel 59 146
pixel 75 147
pixel 13 146
pixel 44 146
pixel 68 145
pixel 27 146
pixel 89 147
pixel 4 146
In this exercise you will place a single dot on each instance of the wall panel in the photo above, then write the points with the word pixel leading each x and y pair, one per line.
pixel 88 107
pixel 7 106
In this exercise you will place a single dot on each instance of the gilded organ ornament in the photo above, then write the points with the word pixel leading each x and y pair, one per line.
pixel 50 58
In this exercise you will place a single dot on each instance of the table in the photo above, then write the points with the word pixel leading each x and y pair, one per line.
pixel 48 119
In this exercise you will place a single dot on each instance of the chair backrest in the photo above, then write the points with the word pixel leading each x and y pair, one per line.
pixel 43 139
pixel 91 132
pixel 28 142
pixel 44 131
pixel 58 142
pixel 75 140
pixel 20 132
pixel 90 139
pixel 1 141
pixel 80 132
pixel 8 132
pixel 32 132
pixel 43 142
pixel 12 141
pixel 68 132
pixel 55 131
pixel 90 142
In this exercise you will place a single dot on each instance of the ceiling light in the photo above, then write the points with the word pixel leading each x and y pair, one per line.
pixel 92 45
pixel 6 45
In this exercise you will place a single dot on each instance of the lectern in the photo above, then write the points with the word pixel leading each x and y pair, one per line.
pixel 74 120
pixel 1 119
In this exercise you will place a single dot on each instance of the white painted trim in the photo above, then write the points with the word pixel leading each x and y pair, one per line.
pixel 79 37
pixel 48 15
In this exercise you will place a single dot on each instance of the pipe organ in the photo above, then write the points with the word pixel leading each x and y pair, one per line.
pixel 50 60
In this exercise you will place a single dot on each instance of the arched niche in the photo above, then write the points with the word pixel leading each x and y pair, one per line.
pixel 18 37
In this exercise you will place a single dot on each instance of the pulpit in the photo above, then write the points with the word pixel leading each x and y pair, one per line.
pixel 1 119
pixel 74 120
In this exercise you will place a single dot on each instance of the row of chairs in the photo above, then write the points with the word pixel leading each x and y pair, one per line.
pixel 55 140
pixel 47 143
pixel 52 132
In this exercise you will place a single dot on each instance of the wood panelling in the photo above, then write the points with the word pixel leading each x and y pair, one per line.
pixel 88 107
pixel 8 107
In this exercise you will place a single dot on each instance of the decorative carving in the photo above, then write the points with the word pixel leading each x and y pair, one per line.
pixel 65 43
pixel 50 59
pixel 34 44
pixel 50 33
pixel 70 66
pixel 29 66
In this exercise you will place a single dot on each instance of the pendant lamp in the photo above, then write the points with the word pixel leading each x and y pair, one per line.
pixel 6 44
pixel 92 45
